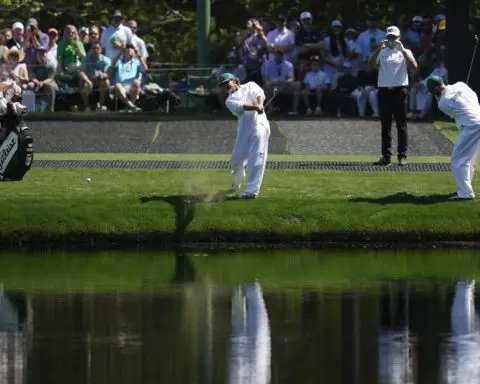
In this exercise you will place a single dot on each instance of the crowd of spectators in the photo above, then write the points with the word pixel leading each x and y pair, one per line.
pixel 92 62
pixel 325 66
pixel 316 69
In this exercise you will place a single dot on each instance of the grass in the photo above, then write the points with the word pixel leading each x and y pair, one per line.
pixel 208 157
pixel 449 130
pixel 135 272
pixel 307 205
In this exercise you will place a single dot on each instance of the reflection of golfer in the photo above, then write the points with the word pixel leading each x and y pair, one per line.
pixel 253 131
pixel 250 355
pixel 463 363
pixel 460 102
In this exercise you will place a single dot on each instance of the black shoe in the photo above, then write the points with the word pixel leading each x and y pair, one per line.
pixel 402 161
pixel 383 161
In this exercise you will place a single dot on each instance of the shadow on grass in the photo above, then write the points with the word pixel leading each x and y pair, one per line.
pixel 184 207
pixel 407 198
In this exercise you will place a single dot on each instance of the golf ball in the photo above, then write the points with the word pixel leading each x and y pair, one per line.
pixel 88 179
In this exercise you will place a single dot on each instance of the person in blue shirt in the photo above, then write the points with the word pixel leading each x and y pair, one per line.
pixel 129 70
pixel 94 77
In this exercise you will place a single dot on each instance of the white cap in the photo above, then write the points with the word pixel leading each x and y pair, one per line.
pixel 84 30
pixel 347 64
pixel 351 30
pixel 440 17
pixel 393 30
pixel 17 25
pixel 337 23
pixel 306 15
pixel 417 19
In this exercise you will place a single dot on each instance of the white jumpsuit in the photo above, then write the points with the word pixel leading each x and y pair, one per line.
pixel 253 132
pixel 460 102
pixel 249 361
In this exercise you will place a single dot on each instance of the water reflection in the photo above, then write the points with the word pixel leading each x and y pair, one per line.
pixel 198 329
pixel 15 332
pixel 463 352
pixel 249 361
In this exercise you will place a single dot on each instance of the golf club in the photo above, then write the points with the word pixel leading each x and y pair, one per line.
pixel 473 58
pixel 276 91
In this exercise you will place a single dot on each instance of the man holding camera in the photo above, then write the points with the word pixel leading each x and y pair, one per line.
pixel 34 38
pixel 393 61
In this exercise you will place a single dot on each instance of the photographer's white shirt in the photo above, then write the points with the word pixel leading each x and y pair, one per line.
pixel 392 70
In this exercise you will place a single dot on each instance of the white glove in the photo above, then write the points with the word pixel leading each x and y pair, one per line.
pixel 399 46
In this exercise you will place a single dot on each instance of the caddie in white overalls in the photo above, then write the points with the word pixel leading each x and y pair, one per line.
pixel 460 102
pixel 253 131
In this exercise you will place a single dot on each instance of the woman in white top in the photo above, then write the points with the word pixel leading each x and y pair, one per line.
pixel 335 49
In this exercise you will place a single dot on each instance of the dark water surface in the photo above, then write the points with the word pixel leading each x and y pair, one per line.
pixel 271 317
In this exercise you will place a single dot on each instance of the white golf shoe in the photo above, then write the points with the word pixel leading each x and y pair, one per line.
pixel 246 196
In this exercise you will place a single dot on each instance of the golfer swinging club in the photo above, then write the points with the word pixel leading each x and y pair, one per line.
pixel 460 102
pixel 253 131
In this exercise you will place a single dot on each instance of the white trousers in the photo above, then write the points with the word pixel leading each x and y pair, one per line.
pixel 465 152
pixel 251 150
pixel 361 98
pixel 420 100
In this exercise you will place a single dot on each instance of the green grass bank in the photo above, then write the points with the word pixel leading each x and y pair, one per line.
pixel 158 208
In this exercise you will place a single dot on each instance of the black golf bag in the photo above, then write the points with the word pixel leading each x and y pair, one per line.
pixel 16 147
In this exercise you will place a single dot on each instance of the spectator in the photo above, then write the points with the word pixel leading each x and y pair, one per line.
pixel 366 92
pixel 128 74
pixel 53 47
pixel 13 70
pixel 254 47
pixel 404 25
pixel 17 38
pixel 8 35
pixel 116 37
pixel 34 39
pixel 420 99
pixel 94 77
pixel 278 73
pixel 294 26
pixel 137 41
pixel 3 47
pixel 335 50
pixel 42 77
pixel 413 39
pixel 233 66
pixel 369 39
pixel 93 37
pixel 346 84
pixel 70 53
pixel 353 49
pixel 309 39
pixel 316 83
pixel 83 35
pixel 282 38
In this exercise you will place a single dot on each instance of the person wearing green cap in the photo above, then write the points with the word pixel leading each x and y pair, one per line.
pixel 245 101
pixel 460 102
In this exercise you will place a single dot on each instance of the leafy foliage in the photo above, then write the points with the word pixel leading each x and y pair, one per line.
pixel 171 24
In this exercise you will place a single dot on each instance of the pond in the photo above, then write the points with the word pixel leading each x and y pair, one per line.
pixel 285 316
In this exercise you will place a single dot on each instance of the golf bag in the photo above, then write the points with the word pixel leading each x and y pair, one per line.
pixel 157 99
pixel 16 146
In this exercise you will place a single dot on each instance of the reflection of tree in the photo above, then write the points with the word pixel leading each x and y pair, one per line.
pixel 184 268
pixel 251 345
pixel 15 329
